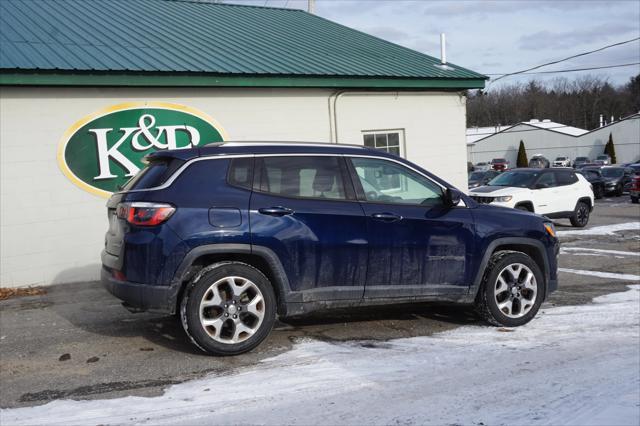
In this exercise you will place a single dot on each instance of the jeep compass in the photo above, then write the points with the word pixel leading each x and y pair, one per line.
pixel 230 235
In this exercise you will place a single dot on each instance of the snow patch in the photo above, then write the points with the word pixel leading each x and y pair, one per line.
pixel 602 230
pixel 604 252
pixel 615 276
pixel 571 365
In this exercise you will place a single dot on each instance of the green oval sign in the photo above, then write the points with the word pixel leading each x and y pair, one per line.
pixel 105 149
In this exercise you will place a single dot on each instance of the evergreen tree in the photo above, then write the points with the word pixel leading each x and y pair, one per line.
pixel 610 150
pixel 522 156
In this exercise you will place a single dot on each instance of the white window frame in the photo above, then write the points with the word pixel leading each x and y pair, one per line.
pixel 401 138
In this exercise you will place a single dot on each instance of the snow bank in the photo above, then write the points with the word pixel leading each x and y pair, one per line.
pixel 577 365
pixel 610 275
pixel 602 230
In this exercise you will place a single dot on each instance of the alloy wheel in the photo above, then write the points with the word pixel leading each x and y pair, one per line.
pixel 232 310
pixel 515 290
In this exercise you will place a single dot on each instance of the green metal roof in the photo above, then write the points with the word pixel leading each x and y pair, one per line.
pixel 157 42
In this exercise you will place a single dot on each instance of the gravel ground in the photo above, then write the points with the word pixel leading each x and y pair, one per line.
pixel 77 342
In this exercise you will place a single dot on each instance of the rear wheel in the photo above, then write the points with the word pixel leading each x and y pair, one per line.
pixel 229 310
pixel 512 290
pixel 635 200
pixel 580 216
pixel 598 192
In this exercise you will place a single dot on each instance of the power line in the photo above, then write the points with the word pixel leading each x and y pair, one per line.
pixel 566 59
pixel 575 69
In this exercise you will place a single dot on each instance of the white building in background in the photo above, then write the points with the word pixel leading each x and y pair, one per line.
pixel 553 140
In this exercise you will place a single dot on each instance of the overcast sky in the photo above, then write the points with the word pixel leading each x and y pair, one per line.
pixel 499 36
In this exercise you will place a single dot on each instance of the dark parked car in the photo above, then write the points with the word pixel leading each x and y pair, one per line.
pixel 594 176
pixel 231 235
pixel 539 162
pixel 617 179
pixel 634 189
pixel 592 165
pixel 477 179
pixel 499 164
pixel 580 161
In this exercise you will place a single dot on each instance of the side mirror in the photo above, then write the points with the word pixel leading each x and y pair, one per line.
pixel 452 197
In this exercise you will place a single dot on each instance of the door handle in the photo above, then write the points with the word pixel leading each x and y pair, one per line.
pixel 275 211
pixel 386 217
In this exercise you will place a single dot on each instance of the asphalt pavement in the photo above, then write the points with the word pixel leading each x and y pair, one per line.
pixel 77 341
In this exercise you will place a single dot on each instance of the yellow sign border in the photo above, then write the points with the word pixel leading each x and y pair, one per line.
pixel 62 145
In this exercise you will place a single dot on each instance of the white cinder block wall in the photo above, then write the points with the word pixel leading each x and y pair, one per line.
pixel 51 231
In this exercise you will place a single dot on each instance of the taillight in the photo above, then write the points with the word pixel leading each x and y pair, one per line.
pixel 145 214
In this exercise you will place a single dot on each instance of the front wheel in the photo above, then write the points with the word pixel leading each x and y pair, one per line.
pixel 580 216
pixel 229 310
pixel 512 290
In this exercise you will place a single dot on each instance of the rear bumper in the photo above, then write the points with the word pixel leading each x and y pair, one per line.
pixel 140 296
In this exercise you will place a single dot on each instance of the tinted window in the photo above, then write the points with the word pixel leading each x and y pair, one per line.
pixel 307 177
pixel 476 175
pixel 592 174
pixel 564 178
pixel 241 172
pixel 387 182
pixel 612 173
pixel 520 179
pixel 155 174
pixel 547 180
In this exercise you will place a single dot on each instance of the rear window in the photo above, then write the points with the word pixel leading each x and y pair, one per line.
pixel 155 174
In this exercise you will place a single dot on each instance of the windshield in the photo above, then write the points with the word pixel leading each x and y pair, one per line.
pixel 519 179
pixel 602 157
pixel 612 173
pixel 498 160
pixel 561 158
pixel 476 175
pixel 581 158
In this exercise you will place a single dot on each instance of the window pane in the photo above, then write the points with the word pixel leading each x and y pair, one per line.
pixel 381 141
pixel 369 141
pixel 394 150
pixel 394 139
pixel 388 182
pixel 241 172
pixel 309 177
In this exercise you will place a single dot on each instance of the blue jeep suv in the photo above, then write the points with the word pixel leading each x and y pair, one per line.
pixel 230 235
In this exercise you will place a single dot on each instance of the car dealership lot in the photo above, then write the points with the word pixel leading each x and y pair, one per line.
pixel 77 342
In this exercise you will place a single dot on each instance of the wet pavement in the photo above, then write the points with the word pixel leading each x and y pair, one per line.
pixel 78 342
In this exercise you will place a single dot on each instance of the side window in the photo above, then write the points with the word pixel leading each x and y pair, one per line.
pixel 241 172
pixel 390 141
pixel 306 177
pixel 564 178
pixel 387 182
pixel 547 180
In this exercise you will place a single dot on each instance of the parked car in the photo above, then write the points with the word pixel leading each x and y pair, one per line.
pixel 579 161
pixel 555 193
pixel 482 166
pixel 606 160
pixel 477 179
pixel 231 235
pixel 616 179
pixel 539 161
pixel 499 164
pixel 634 189
pixel 593 164
pixel 562 161
pixel 594 176
pixel 635 167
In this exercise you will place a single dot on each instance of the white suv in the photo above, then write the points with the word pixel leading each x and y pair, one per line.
pixel 562 162
pixel 555 193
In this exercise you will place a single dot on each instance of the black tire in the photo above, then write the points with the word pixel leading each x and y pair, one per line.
pixel 197 290
pixel 598 192
pixel 619 191
pixel 486 304
pixel 580 216
pixel 635 200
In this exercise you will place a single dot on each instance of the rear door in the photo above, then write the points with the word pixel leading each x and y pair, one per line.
pixel 546 194
pixel 417 246
pixel 304 209
pixel 569 190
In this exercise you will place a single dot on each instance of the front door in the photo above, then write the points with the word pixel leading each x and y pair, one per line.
pixel 417 245
pixel 304 209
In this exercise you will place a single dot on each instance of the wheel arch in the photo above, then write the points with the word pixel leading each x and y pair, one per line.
pixel 586 200
pixel 259 257
pixel 532 248
pixel 527 204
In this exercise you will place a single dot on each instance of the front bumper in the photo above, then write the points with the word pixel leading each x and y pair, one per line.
pixel 142 297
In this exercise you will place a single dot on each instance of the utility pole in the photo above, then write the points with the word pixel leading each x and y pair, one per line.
pixel 311 6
